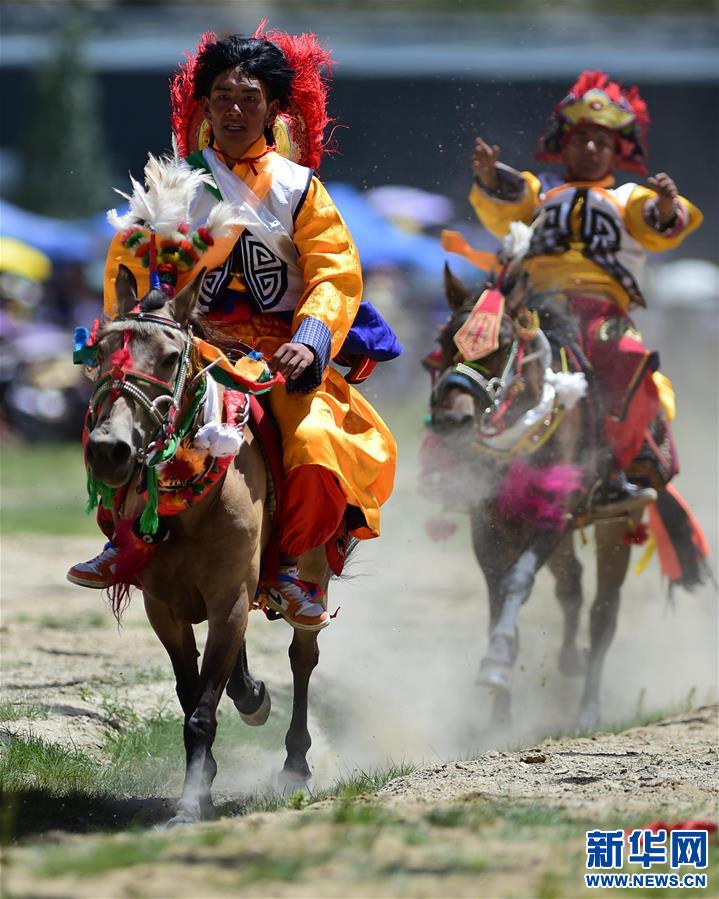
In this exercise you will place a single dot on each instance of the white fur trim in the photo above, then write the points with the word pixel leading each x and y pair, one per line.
pixel 569 386
pixel 515 245
pixel 219 439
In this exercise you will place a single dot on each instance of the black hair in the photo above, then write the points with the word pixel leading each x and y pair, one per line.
pixel 258 58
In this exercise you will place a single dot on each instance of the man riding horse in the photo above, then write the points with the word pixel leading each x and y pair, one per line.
pixel 288 285
pixel 588 245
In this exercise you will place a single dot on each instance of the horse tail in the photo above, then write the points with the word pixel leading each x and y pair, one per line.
pixel 680 541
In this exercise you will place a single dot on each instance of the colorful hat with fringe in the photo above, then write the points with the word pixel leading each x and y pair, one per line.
pixel 299 131
pixel 596 100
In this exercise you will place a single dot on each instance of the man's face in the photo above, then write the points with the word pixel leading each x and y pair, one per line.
pixel 590 153
pixel 239 111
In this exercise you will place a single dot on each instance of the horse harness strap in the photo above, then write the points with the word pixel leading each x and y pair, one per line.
pixel 121 381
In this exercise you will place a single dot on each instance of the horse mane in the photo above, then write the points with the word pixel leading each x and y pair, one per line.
pixel 206 330
pixel 558 324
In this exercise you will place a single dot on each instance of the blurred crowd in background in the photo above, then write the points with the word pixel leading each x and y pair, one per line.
pixel 86 98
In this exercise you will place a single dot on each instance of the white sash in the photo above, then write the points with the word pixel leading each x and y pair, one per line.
pixel 253 213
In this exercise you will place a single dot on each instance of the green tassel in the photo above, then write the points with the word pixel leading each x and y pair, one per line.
pixel 92 492
pixel 149 520
pixel 98 492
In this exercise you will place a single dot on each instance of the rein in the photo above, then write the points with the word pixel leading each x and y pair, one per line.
pixel 493 387
pixel 121 381
pixel 164 443
pixel 560 390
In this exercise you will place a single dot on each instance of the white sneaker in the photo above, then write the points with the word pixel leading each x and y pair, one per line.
pixel 299 602
pixel 97 572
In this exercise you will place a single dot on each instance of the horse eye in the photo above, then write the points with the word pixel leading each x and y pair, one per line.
pixel 170 359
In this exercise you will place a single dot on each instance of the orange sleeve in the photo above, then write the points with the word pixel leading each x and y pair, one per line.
pixel 330 266
pixel 648 236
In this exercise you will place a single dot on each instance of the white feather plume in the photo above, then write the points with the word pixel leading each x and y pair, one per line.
pixel 164 202
pixel 570 387
pixel 516 244
pixel 221 219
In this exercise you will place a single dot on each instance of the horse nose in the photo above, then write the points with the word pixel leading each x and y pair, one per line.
pixel 110 460
pixel 446 420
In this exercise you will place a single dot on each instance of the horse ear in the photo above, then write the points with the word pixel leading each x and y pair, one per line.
pixel 455 292
pixel 518 295
pixel 125 290
pixel 184 303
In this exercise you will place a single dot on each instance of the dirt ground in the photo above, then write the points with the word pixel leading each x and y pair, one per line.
pixel 395 684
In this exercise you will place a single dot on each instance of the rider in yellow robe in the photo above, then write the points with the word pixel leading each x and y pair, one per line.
pixel 289 284
pixel 588 243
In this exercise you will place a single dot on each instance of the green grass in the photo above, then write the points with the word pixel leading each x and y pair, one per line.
pixel 79 621
pixel 16 711
pixel 105 855
pixel 43 490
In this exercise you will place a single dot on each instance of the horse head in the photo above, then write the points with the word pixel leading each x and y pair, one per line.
pixel 144 357
pixel 507 381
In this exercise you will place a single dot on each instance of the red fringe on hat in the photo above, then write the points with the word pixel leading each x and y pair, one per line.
pixel 631 139
pixel 308 103
pixel 187 113
pixel 588 81
pixel 306 117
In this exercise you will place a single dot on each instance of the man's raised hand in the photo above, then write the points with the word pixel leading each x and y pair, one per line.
pixel 667 193
pixel 484 160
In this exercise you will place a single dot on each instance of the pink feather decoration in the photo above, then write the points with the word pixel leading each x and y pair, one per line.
pixel 538 496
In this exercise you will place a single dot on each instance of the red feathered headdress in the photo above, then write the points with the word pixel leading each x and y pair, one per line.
pixel 298 131
pixel 599 101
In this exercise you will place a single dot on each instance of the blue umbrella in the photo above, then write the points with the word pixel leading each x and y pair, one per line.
pixel 62 241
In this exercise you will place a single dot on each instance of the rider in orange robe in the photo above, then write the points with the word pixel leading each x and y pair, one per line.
pixel 289 284
pixel 589 241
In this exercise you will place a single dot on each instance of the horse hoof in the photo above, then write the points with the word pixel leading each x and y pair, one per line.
pixel 588 718
pixel 182 817
pixel 261 714
pixel 502 711
pixel 291 782
pixel 494 676
pixel 572 661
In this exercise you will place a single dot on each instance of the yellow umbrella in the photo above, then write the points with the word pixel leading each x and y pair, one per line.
pixel 19 258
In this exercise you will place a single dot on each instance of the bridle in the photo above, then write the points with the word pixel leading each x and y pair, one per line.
pixel 463 374
pixel 122 380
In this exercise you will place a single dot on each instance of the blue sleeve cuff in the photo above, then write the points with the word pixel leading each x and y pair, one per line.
pixel 317 336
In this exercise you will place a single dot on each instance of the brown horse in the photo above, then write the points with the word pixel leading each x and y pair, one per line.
pixel 525 462
pixel 208 566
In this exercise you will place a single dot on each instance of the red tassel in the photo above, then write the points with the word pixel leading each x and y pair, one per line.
pixel 187 113
pixel 133 557
pixel 439 529
pixel 307 115
pixel 638 536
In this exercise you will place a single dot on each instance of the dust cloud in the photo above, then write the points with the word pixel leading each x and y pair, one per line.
pixel 396 679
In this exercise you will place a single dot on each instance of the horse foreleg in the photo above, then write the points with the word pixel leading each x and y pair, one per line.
pixel 251 697
pixel 515 586
pixel 567 571
pixel 179 640
pixel 490 550
pixel 304 654
pixel 225 634
pixel 492 555
pixel 612 563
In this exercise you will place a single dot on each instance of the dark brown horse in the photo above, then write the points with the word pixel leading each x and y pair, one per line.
pixel 208 566
pixel 525 462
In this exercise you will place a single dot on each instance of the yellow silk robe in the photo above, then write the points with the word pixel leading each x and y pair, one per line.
pixel 333 426
pixel 573 271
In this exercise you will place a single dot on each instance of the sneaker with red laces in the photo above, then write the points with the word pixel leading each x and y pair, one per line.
pixel 298 602
pixel 97 572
